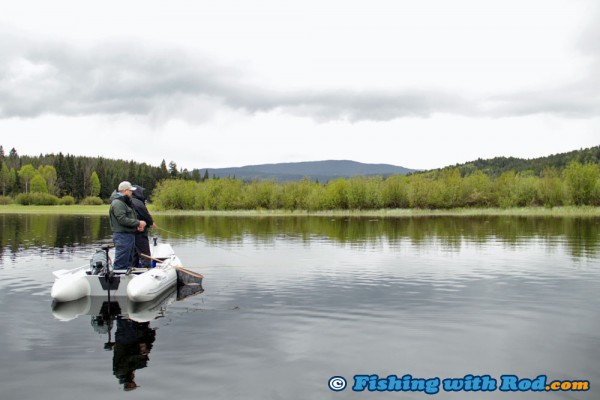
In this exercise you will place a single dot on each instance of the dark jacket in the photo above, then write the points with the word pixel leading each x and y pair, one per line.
pixel 138 201
pixel 122 215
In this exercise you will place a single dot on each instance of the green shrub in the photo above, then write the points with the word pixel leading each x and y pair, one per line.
pixel 66 201
pixel 581 181
pixel 551 191
pixel 478 190
pixel 364 193
pixel 316 198
pixel 295 195
pixel 395 192
pixel 36 199
pixel 4 200
pixel 527 191
pixel 91 201
pixel 451 189
pixel 505 190
pixel 421 191
pixel 336 194
pixel 443 189
pixel 178 195
pixel 231 194
pixel 212 189
pixel 262 195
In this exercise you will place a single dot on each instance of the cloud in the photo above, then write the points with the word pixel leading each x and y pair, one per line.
pixel 113 78
pixel 577 100
pixel 121 78
pixel 107 79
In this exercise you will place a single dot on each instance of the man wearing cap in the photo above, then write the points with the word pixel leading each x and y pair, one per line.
pixel 124 224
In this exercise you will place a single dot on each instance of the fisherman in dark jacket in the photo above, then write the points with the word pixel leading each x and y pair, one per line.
pixel 124 224
pixel 142 244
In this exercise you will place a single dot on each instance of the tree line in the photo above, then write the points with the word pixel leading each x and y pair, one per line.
pixel 499 165
pixel 577 184
pixel 568 178
pixel 52 176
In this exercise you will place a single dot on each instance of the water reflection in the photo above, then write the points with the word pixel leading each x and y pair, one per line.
pixel 322 296
pixel 134 337
pixel 23 231
pixel 581 235
pixel 133 343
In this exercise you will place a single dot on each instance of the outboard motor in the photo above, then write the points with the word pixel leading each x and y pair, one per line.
pixel 98 262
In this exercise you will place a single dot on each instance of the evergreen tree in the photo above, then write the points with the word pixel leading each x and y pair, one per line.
pixel 132 175
pixel 105 191
pixel 196 175
pixel 61 173
pixel 13 159
pixel 173 170
pixel 144 177
pixel 12 180
pixel 82 171
pixel 164 173
pixel 205 177
pixel 71 178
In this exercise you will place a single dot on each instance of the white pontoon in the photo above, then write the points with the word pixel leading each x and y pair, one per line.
pixel 99 279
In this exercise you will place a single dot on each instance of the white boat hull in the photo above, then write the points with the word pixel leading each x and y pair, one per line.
pixel 70 284
pixel 149 285
pixel 78 284
pixel 145 285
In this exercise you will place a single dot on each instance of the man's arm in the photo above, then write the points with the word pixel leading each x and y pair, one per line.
pixel 120 213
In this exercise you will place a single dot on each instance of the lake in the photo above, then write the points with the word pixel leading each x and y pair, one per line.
pixel 291 302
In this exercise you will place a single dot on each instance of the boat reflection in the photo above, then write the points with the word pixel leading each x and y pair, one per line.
pixel 133 335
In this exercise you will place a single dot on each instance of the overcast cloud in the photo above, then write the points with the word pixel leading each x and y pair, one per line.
pixel 404 73
pixel 123 78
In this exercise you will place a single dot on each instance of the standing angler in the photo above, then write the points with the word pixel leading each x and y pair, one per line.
pixel 142 244
pixel 124 224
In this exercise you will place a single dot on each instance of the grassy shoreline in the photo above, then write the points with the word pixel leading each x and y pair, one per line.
pixel 570 211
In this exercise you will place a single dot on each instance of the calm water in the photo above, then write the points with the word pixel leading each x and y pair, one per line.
pixel 290 302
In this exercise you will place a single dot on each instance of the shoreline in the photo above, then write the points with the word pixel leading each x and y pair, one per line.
pixel 568 211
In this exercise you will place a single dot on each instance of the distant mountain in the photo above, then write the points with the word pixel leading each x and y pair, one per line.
pixel 313 170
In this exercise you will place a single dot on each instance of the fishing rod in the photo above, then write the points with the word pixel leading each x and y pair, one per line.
pixel 198 238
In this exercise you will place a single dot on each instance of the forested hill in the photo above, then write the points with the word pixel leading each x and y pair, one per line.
pixel 322 171
pixel 497 166
pixel 73 175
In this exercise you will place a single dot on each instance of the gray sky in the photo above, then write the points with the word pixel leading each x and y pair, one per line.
pixel 422 84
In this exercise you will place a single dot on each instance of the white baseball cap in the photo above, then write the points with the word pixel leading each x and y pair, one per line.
pixel 126 185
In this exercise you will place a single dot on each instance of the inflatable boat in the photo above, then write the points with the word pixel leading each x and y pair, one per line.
pixel 99 279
